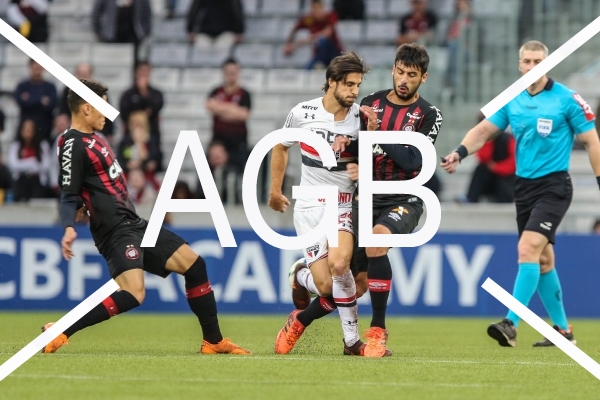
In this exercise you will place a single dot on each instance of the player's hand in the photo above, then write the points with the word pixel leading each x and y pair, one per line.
pixel 278 202
pixel 372 123
pixel 67 241
pixel 352 169
pixel 340 143
pixel 450 162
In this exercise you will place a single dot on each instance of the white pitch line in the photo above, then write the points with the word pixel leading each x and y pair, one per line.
pixel 60 326
pixel 57 70
pixel 542 327
pixel 542 68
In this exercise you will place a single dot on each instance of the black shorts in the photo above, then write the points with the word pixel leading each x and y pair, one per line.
pixel 542 203
pixel 400 219
pixel 122 250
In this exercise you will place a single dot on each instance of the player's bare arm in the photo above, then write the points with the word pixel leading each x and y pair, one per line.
pixel 592 145
pixel 473 141
pixel 279 160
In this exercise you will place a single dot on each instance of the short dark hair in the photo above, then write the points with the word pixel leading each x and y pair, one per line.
pixel 343 65
pixel 228 61
pixel 316 2
pixel 74 101
pixel 413 55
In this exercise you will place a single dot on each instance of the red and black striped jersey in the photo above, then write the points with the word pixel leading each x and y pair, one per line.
pixel 419 116
pixel 89 169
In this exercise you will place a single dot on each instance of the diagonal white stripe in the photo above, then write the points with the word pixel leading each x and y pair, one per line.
pixel 59 72
pixel 65 322
pixel 542 327
pixel 542 68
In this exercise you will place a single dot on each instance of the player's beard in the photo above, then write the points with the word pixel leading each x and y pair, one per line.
pixel 409 94
pixel 344 102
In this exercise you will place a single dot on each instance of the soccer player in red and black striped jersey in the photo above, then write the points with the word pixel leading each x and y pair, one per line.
pixel 397 109
pixel 90 173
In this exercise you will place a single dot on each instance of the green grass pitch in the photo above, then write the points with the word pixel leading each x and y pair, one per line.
pixel 150 356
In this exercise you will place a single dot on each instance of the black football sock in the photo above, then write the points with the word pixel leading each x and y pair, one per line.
pixel 117 303
pixel 318 308
pixel 379 276
pixel 202 301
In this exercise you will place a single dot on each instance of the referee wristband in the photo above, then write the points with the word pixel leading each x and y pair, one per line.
pixel 462 151
pixel 598 180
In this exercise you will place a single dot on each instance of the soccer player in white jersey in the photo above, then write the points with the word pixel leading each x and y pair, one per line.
pixel 329 116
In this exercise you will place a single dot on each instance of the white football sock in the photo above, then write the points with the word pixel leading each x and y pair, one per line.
pixel 344 295
pixel 305 278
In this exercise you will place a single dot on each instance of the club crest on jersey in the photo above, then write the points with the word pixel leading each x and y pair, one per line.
pixel 544 126
pixel 409 128
pixel 312 251
pixel 131 252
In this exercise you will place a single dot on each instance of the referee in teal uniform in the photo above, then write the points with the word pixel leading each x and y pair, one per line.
pixel 545 119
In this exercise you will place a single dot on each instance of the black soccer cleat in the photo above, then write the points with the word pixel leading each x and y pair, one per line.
pixel 567 335
pixel 504 332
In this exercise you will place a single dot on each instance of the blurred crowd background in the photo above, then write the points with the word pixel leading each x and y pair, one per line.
pixel 233 69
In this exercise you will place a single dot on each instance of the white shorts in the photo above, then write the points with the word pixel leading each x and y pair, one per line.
pixel 306 220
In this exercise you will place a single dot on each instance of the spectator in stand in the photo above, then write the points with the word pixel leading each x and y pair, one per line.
pixel 141 192
pixel 350 9
pixel 323 36
pixel 30 18
pixel 137 151
pixel 122 21
pixel 460 22
pixel 495 174
pixel 181 191
pixel 224 174
pixel 230 106
pixel 83 70
pixel 29 163
pixel 219 21
pixel 596 227
pixel 37 99
pixel 143 97
pixel 5 180
pixel 418 26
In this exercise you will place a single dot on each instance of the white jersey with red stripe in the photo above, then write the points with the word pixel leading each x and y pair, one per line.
pixel 312 116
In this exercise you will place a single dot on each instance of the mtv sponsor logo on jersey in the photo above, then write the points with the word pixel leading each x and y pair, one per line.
pixel 589 114
pixel 544 126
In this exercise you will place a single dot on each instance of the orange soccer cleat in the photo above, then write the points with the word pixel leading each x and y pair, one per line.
pixel 358 349
pixel 376 342
pixel 225 346
pixel 57 343
pixel 289 334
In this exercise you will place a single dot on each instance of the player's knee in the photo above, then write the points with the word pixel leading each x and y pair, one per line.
pixel 339 267
pixel 528 252
pixel 546 264
pixel 376 251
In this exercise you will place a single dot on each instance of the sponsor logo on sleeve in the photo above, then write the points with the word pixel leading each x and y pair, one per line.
pixel 587 110
pixel 66 161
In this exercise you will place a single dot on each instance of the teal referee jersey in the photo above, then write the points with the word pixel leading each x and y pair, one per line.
pixel 544 127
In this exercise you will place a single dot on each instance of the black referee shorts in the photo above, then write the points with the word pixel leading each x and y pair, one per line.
pixel 123 252
pixel 400 219
pixel 542 203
